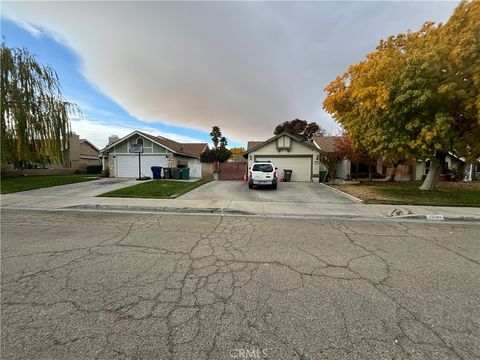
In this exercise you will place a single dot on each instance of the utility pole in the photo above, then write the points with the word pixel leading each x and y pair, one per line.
pixel 138 149
pixel 139 166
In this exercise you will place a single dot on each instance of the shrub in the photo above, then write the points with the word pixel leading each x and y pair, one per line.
pixel 220 154
pixel 455 174
pixel 94 169
pixel 77 172
pixel 329 159
pixel 105 173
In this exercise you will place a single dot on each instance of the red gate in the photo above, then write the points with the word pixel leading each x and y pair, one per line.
pixel 232 170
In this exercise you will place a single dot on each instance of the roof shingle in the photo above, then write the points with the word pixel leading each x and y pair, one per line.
pixel 326 143
pixel 252 144
pixel 189 149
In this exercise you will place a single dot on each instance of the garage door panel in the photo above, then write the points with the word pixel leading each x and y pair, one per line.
pixel 301 166
pixel 127 165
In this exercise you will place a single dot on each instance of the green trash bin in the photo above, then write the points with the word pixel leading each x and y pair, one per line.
pixel 323 175
pixel 186 174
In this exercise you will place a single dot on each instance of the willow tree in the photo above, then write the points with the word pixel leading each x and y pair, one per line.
pixel 417 95
pixel 35 125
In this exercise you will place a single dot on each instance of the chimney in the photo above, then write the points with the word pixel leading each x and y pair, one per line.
pixel 112 139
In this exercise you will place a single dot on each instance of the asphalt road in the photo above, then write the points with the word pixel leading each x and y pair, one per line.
pixel 119 286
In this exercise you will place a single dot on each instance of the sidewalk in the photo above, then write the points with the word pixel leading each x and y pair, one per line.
pixel 27 201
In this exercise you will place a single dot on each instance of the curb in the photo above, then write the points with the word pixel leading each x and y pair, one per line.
pixel 230 212
pixel 437 218
pixel 164 209
pixel 343 193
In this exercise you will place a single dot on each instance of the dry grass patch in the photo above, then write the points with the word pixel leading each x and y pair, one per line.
pixel 407 193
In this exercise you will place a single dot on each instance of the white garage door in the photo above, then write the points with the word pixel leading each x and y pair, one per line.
pixel 301 166
pixel 127 165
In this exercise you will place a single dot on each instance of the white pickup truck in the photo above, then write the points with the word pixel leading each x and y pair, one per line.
pixel 262 173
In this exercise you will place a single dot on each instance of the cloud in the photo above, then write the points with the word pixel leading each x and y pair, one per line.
pixel 98 132
pixel 243 66
pixel 32 29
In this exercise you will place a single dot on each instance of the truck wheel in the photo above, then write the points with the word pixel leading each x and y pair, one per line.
pixel 274 186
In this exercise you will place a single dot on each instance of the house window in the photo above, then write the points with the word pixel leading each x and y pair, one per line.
pixel 140 141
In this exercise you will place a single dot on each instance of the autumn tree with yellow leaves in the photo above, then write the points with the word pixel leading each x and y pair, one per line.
pixel 417 95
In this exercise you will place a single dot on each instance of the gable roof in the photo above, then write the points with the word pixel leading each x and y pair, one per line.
pixel 186 149
pixel 193 148
pixel 254 145
pixel 89 143
pixel 326 143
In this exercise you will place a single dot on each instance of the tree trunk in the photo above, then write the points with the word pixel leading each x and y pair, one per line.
pixel 369 172
pixel 436 167
pixel 430 182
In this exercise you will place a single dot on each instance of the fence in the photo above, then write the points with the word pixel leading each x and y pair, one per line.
pixel 232 170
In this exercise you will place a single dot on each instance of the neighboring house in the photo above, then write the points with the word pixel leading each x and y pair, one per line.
pixel 420 168
pixel 417 169
pixel 286 151
pixel 409 170
pixel 89 154
pixel 327 144
pixel 472 170
pixel 81 153
pixel 158 151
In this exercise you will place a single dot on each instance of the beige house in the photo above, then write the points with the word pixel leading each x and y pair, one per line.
pixel 327 144
pixel 420 168
pixel 82 153
pixel 79 154
pixel 286 151
pixel 417 169
pixel 157 151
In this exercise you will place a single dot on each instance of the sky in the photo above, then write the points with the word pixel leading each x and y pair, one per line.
pixel 176 69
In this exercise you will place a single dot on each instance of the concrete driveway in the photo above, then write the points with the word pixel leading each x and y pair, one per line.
pixel 291 192
pixel 296 199
pixel 63 196
pixel 87 188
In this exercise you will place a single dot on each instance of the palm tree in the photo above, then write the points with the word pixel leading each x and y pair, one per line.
pixel 215 134
pixel 223 142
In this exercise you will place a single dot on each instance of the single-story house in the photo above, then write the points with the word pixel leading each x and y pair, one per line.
pixel 327 144
pixel 286 151
pixel 417 169
pixel 157 151
pixel 420 168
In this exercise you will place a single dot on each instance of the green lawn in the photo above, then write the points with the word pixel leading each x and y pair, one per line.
pixel 398 193
pixel 159 189
pixel 23 183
